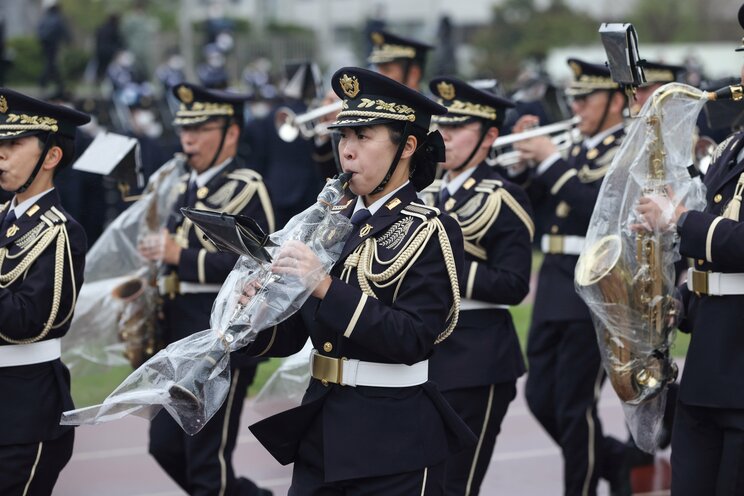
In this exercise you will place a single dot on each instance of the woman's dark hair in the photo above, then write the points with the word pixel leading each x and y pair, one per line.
pixel 66 144
pixel 423 167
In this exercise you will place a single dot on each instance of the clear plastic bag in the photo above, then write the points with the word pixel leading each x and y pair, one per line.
pixel 191 377
pixel 626 272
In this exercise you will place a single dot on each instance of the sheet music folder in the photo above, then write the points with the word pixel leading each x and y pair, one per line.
pixel 233 233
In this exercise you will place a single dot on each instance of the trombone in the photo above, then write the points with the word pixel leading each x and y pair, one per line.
pixel 289 125
pixel 564 133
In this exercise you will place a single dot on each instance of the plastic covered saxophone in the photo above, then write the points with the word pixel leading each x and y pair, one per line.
pixel 626 274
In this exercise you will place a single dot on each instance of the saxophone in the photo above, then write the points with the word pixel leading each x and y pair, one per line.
pixel 138 296
pixel 623 276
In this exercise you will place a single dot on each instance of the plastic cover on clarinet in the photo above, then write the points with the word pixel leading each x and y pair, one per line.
pixel 191 377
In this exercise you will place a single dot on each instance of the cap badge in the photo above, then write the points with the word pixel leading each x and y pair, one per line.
pixel 185 94
pixel 377 38
pixel 446 90
pixel 350 85
pixel 576 68
pixel 3 104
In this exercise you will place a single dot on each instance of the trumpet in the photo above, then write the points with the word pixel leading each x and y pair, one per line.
pixel 289 125
pixel 564 133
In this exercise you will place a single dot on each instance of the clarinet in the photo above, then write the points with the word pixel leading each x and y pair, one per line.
pixel 188 391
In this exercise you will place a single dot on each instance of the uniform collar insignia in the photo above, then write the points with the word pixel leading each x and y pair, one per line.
pixel 32 210
pixel 12 230
pixel 365 230
pixel 469 183
pixel 392 203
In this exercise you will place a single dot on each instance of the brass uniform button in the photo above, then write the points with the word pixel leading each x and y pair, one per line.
pixel 327 347
pixel 592 154
pixel 324 382
pixel 554 229
pixel 701 261
pixel 718 198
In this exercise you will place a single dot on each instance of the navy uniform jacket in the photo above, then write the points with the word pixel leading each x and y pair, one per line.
pixel 714 370
pixel 235 190
pixel 374 431
pixel 564 197
pixel 288 169
pixel 34 396
pixel 495 216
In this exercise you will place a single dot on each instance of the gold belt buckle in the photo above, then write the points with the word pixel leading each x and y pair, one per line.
pixel 172 285
pixel 327 370
pixel 555 244
pixel 699 281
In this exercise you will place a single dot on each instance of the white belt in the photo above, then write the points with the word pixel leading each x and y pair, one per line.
pixel 190 287
pixel 26 354
pixel 470 304
pixel 562 245
pixel 350 372
pixel 715 283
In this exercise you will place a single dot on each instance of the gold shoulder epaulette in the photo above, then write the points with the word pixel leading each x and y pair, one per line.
pixel 488 185
pixel 423 212
pixel 53 216
pixel 720 148
pixel 246 175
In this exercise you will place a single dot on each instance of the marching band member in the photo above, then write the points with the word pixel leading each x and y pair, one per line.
pixel 42 255
pixel 477 367
pixel 209 123
pixel 708 434
pixel 401 59
pixel 370 421
pixel 565 370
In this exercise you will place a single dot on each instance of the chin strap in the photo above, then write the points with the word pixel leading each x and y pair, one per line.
pixel 222 144
pixel 484 131
pixel 610 94
pixel 396 159
pixel 37 167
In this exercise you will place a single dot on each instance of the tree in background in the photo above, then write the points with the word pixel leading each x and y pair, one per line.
pixel 519 32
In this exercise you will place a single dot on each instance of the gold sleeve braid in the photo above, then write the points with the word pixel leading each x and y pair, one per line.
pixel 363 256
pixel 58 233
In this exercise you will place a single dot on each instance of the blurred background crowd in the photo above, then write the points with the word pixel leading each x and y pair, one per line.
pixel 117 59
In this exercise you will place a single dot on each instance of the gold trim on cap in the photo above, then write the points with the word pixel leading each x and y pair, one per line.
pixel 385 53
pixel 29 123
pixel 3 104
pixel 381 110
pixel 471 109
pixel 659 75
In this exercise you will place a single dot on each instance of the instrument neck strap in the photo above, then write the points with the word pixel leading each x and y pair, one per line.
pixel 484 131
pixel 734 207
pixel 396 159
pixel 37 167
